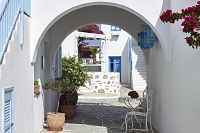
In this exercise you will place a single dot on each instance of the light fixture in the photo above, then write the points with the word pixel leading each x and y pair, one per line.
pixel 146 38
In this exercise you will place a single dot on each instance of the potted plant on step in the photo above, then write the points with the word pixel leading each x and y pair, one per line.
pixel 36 87
pixel 55 120
pixel 74 73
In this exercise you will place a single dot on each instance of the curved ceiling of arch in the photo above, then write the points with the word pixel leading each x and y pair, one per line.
pixel 93 14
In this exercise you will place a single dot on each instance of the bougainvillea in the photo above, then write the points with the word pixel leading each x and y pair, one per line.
pixel 93 28
pixel 191 22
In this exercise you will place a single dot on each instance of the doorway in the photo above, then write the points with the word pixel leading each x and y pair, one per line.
pixel 115 64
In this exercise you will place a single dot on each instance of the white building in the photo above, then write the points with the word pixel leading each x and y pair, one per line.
pixel 119 53
pixel 173 66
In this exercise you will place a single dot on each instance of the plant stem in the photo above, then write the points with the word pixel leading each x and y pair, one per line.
pixel 58 103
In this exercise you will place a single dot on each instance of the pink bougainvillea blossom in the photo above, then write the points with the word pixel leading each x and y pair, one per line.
pixel 191 22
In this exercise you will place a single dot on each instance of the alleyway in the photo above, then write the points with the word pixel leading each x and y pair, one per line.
pixel 102 114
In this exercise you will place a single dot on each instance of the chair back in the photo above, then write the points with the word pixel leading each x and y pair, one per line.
pixel 144 94
pixel 149 101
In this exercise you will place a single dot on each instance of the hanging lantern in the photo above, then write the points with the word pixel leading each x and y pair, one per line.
pixel 146 38
pixel 151 36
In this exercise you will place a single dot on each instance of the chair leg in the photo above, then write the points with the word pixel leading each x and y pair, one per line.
pixel 150 123
pixel 126 123
pixel 137 120
pixel 131 123
pixel 146 124
pixel 122 125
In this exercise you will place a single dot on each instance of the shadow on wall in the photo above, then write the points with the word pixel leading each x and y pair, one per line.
pixel 47 98
pixel 125 67
pixel 114 38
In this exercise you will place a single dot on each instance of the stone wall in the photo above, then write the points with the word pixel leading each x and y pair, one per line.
pixel 104 82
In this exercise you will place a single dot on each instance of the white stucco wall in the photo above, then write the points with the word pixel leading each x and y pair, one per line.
pixel 47 100
pixel 49 17
pixel 17 72
pixel 115 46
pixel 176 84
pixel 69 45
pixel 176 104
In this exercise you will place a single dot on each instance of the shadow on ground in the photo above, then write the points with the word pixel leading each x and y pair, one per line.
pixel 98 118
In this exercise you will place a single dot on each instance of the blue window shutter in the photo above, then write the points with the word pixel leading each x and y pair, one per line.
pixel 8 110
pixel 114 28
pixel 27 7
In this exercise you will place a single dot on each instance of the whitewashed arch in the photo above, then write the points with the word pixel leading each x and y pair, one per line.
pixel 95 12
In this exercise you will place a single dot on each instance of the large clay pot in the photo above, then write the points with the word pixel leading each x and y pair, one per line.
pixel 64 97
pixel 55 122
pixel 69 110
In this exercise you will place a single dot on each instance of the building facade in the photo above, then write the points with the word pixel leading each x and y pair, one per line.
pixel 28 53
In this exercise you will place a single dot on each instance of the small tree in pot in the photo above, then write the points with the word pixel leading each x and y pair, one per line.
pixel 55 121
pixel 75 75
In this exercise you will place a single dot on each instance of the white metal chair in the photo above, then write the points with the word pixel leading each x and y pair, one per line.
pixel 141 116
pixel 142 105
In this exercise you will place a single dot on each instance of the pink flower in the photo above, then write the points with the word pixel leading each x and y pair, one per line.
pixel 166 16
pixel 189 40
pixel 93 28
pixel 189 24
pixel 192 9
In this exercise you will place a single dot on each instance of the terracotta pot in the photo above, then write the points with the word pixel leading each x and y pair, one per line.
pixel 37 89
pixel 64 97
pixel 69 110
pixel 55 122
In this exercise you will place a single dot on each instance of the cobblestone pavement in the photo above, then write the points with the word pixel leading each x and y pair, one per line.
pixel 101 115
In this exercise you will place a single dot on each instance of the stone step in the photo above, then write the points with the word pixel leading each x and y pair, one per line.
pixel 139 73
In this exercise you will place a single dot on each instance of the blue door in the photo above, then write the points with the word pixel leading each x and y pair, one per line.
pixel 8 110
pixel 115 64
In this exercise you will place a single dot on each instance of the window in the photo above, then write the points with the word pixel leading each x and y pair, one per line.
pixel 42 62
pixel 8 110
pixel 114 28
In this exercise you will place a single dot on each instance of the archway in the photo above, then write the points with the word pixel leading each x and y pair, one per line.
pixel 68 21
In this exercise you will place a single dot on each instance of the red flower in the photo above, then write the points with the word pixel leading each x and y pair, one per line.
pixel 93 28
pixel 191 23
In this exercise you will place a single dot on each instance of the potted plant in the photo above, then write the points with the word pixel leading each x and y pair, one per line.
pixel 94 51
pixel 74 73
pixel 55 120
pixel 36 87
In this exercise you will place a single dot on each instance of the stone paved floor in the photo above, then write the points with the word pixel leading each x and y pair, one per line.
pixel 101 115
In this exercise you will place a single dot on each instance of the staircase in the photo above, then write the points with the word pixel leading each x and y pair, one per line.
pixel 11 47
pixel 10 13
pixel 139 71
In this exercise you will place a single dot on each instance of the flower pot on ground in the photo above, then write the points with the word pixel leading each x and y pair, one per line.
pixel 69 110
pixel 55 121
pixel 36 87
pixel 68 103
pixel 76 76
